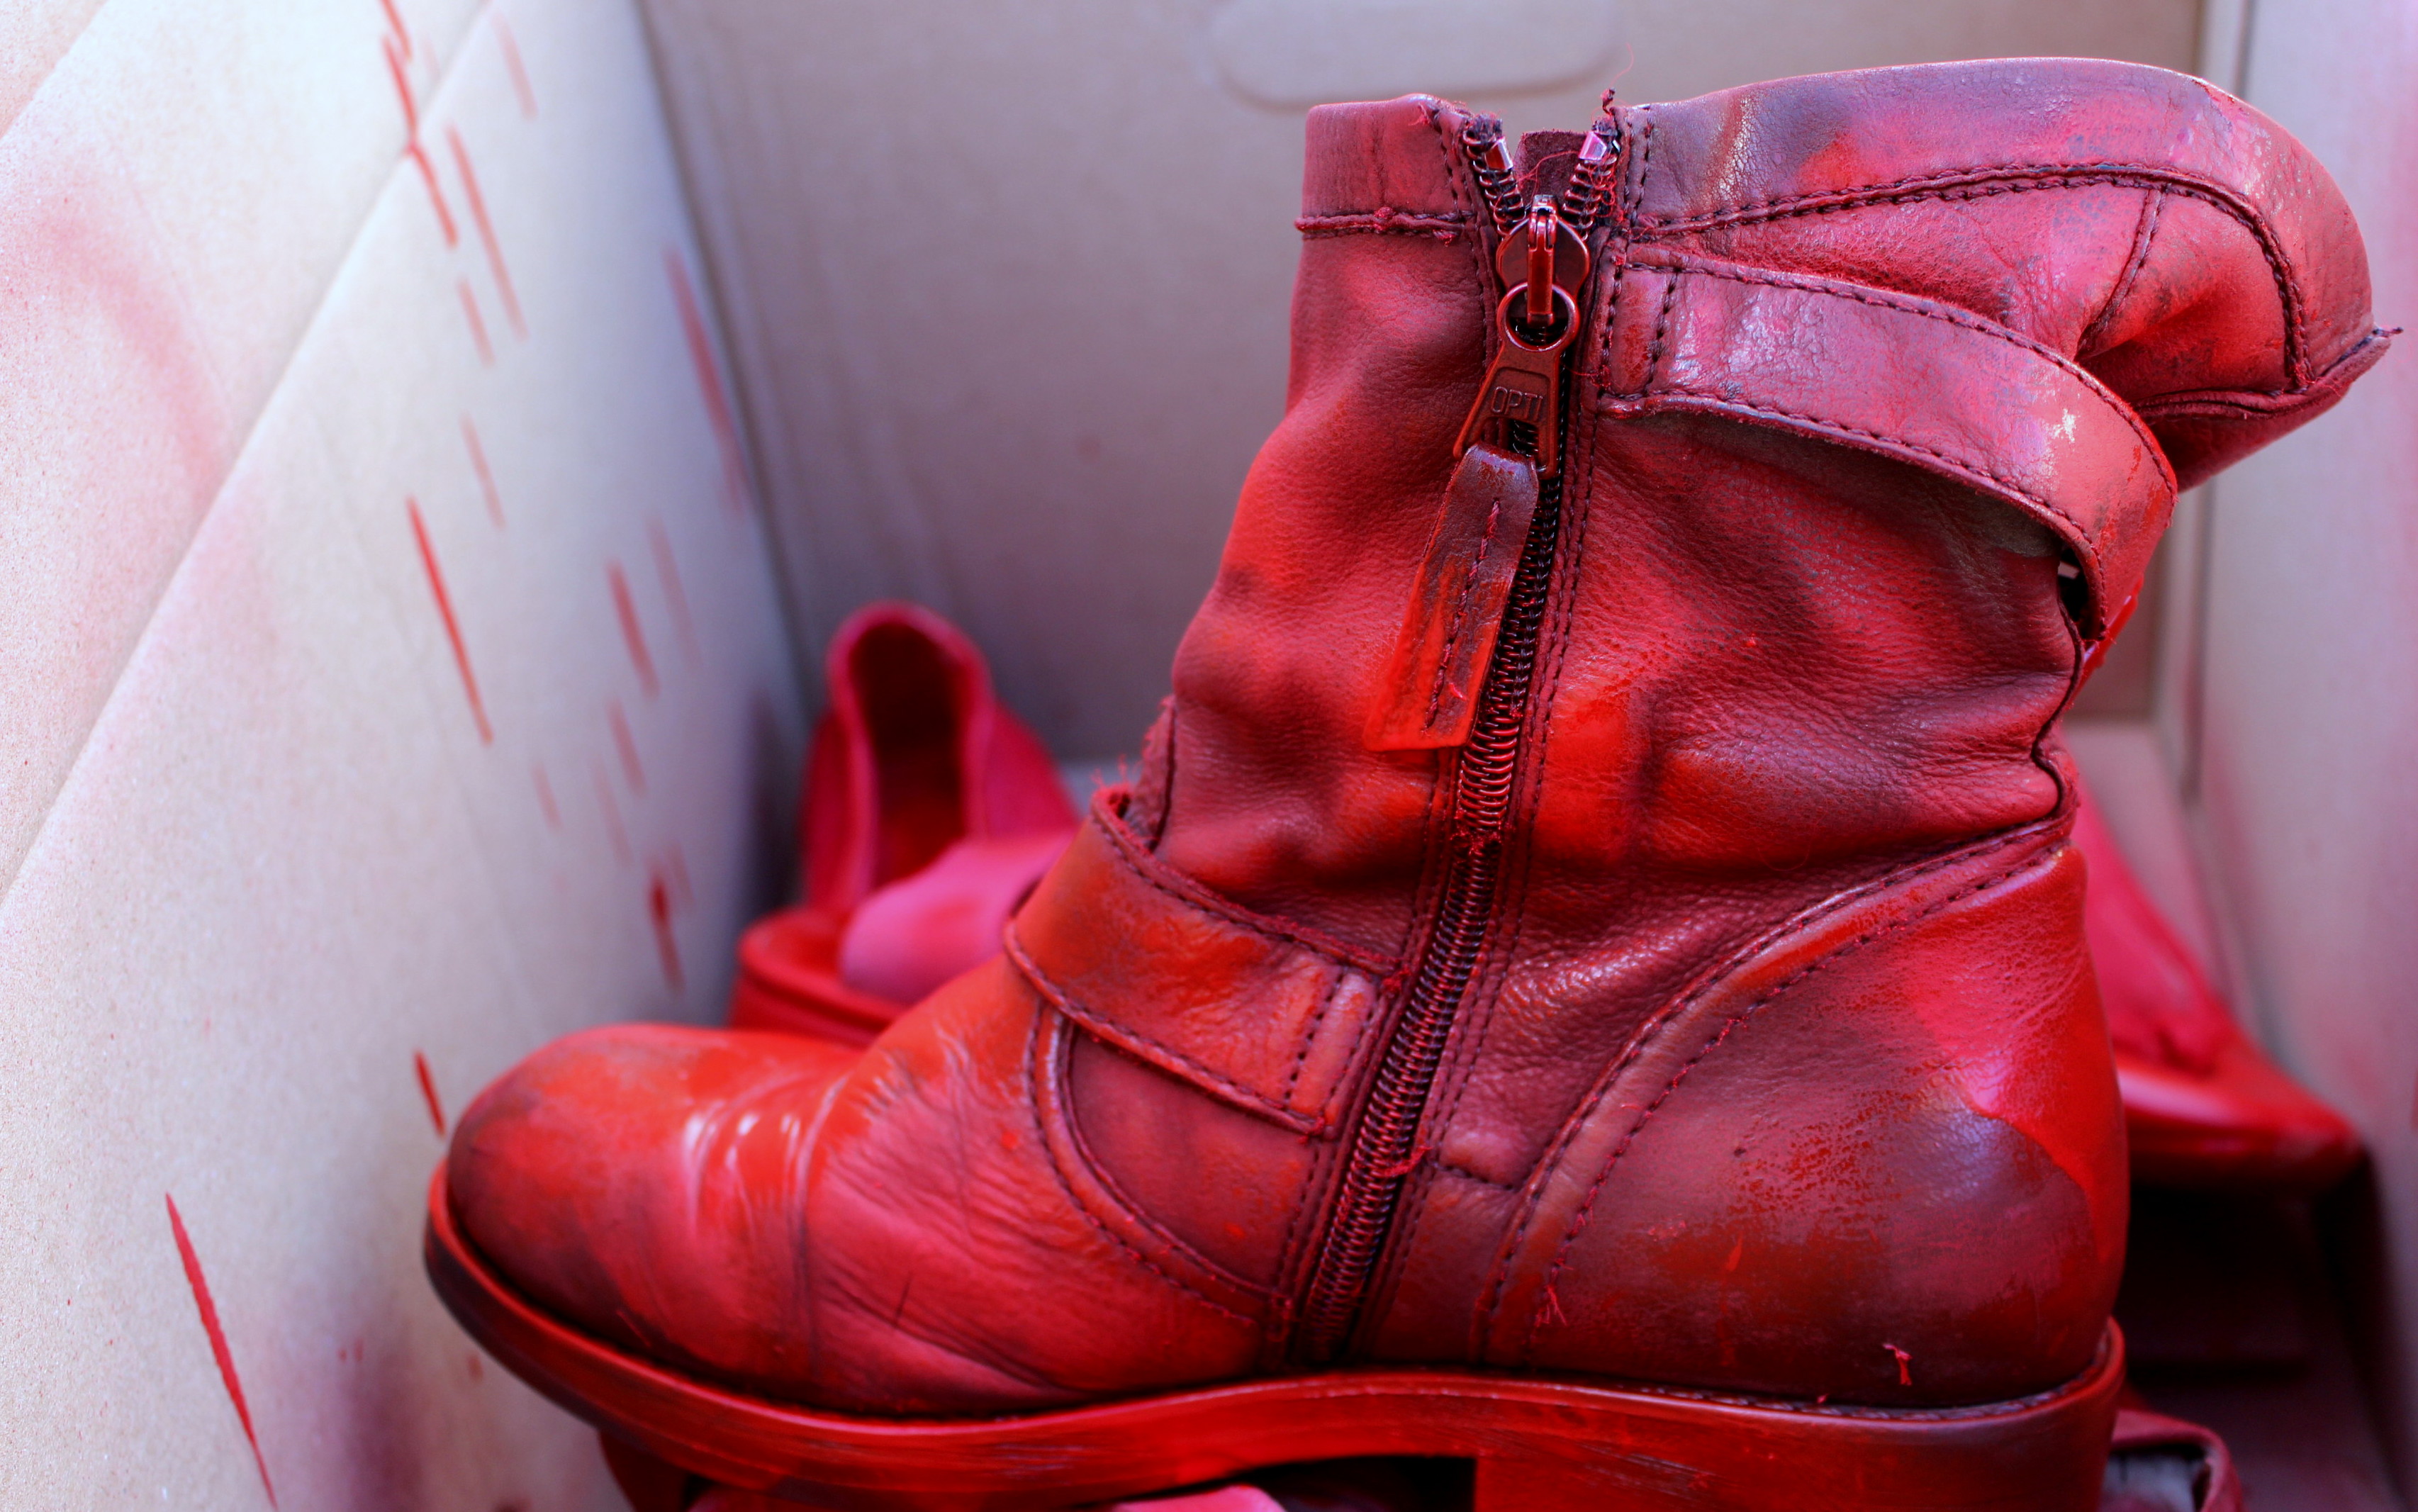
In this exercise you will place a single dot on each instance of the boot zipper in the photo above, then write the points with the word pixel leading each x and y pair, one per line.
pixel 1519 410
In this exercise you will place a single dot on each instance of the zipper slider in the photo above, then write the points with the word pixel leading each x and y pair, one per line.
pixel 1519 406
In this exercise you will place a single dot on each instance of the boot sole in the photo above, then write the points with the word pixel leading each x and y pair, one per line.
pixel 1540 1445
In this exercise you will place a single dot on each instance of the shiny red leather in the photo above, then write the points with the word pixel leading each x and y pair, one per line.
pixel 2204 1107
pixel 928 813
pixel 1782 1071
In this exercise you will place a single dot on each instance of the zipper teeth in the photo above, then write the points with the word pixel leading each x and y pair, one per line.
pixel 1383 1152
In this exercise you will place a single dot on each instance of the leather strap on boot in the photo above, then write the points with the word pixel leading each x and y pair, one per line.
pixel 1923 382
pixel 1253 1011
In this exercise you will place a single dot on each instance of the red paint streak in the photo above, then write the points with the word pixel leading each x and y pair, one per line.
pixel 1905 1376
pixel 428 1089
pixel 612 815
pixel 402 83
pixel 708 379
pixel 545 799
pixel 486 231
pixel 477 324
pixel 631 635
pixel 659 909
pixel 218 1351
pixel 674 594
pixel 512 66
pixel 627 745
pixel 394 19
pixel 435 195
pixel 676 869
pixel 487 479
pixel 452 626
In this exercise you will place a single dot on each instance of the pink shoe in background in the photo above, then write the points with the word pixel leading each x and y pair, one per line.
pixel 2204 1107
pixel 929 811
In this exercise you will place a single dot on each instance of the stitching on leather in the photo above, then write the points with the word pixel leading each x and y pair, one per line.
pixel 1309 1034
pixel 1066 1189
pixel 1662 328
pixel 1460 609
pixel 1652 1028
pixel 1219 909
pixel 1949 315
pixel 1386 220
pixel 1973 183
pixel 1117 1033
pixel 1795 979
pixel 2152 206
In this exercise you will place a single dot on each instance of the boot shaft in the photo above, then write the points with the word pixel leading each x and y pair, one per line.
pixel 1870 433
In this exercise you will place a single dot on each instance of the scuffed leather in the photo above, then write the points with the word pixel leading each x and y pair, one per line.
pixel 1783 1070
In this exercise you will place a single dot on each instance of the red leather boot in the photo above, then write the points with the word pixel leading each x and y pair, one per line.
pixel 2203 1105
pixel 1590 978
pixel 930 811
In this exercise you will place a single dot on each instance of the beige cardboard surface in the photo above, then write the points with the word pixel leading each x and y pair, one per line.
pixel 175 196
pixel 2300 719
pixel 298 865
pixel 1008 283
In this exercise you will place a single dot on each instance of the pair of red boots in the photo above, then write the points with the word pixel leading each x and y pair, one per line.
pixel 1588 977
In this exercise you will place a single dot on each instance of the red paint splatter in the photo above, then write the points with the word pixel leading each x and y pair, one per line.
pixel 659 909
pixel 512 66
pixel 435 193
pixel 627 744
pixel 545 799
pixel 674 594
pixel 395 68
pixel 219 1349
pixel 452 626
pixel 708 379
pixel 477 1368
pixel 1905 1376
pixel 632 635
pixel 477 324
pixel 394 19
pixel 486 233
pixel 612 815
pixel 428 1089
pixel 487 479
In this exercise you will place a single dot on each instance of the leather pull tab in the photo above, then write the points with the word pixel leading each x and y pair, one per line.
pixel 1430 691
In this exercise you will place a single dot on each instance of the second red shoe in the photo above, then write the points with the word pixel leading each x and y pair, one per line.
pixel 929 810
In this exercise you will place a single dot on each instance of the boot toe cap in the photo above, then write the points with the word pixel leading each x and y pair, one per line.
pixel 638 1181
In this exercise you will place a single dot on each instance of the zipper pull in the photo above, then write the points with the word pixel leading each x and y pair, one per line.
pixel 1428 693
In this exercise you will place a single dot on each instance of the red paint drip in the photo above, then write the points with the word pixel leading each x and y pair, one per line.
pixel 395 68
pixel 612 815
pixel 631 635
pixel 219 1349
pixel 394 19
pixel 674 594
pixel 627 744
pixel 545 799
pixel 452 626
pixel 486 233
pixel 477 324
pixel 512 64
pixel 1905 1376
pixel 435 193
pixel 428 1089
pixel 487 479
pixel 659 909
pixel 708 379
